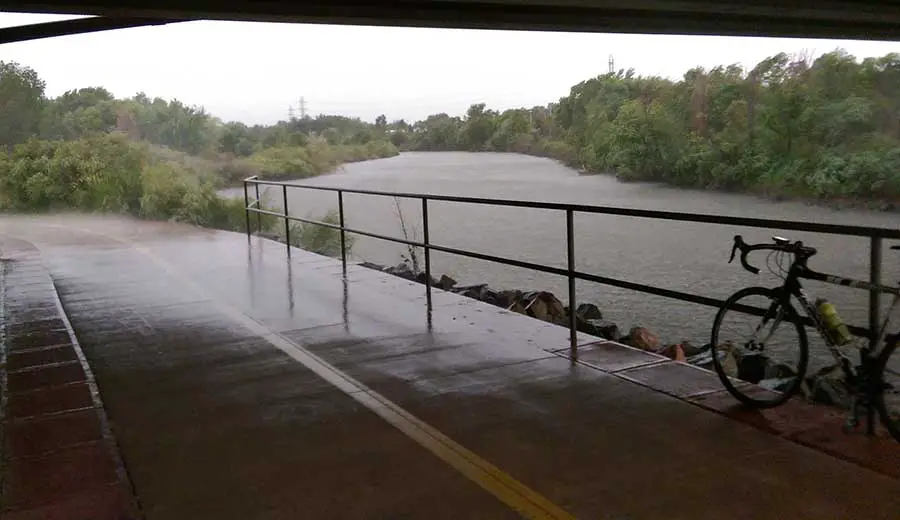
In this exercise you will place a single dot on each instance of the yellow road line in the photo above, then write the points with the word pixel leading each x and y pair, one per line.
pixel 513 493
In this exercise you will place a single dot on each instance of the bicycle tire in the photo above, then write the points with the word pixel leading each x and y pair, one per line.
pixel 892 427
pixel 791 317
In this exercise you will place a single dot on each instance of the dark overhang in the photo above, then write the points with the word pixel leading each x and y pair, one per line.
pixel 858 19
pixel 37 31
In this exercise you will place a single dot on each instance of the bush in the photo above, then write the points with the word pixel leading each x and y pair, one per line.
pixel 165 193
pixel 98 173
pixel 232 172
pixel 316 158
pixel 110 174
pixel 321 239
pixel 284 162
pixel 869 174
pixel 559 150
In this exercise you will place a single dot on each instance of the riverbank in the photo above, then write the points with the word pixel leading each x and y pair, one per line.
pixel 824 386
pixel 836 203
pixel 112 173
pixel 290 162
pixel 567 156
pixel 301 162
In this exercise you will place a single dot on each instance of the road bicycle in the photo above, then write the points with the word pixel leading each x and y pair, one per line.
pixel 748 368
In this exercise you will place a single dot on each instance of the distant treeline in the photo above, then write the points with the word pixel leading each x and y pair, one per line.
pixel 824 128
pixel 87 150
pixel 827 128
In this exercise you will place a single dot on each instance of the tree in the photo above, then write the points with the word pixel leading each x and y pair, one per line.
pixel 437 132
pixel 479 126
pixel 79 113
pixel 21 102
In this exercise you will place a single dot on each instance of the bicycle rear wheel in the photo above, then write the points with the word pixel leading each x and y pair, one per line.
pixel 887 400
pixel 761 360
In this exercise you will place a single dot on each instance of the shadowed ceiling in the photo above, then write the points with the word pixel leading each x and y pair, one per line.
pixel 859 19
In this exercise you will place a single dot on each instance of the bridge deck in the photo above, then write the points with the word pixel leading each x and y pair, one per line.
pixel 239 385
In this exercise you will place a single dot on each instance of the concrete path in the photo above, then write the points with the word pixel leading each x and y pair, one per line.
pixel 238 384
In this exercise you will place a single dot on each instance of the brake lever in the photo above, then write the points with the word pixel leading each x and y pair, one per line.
pixel 738 240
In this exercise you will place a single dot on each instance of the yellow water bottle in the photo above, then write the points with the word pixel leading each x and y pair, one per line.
pixel 838 332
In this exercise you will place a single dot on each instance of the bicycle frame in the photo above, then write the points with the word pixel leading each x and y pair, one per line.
pixel 799 270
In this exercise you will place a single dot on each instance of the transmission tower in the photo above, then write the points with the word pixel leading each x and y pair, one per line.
pixel 302 107
pixel 612 64
pixel 291 115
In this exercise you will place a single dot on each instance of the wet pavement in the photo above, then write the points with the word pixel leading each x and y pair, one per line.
pixel 59 459
pixel 238 384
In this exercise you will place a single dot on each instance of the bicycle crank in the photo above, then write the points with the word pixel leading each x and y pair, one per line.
pixel 852 421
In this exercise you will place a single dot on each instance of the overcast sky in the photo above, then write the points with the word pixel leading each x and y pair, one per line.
pixel 253 72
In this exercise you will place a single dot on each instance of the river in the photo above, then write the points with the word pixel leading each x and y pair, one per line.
pixel 683 256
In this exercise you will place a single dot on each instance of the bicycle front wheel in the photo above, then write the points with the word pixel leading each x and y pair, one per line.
pixel 760 359
pixel 887 399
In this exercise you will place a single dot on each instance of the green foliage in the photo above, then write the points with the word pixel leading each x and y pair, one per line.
pixel 21 103
pixel 109 173
pixel 236 139
pixel 171 123
pixel 321 239
pixel 79 113
pixel 317 157
pixel 438 132
pixel 101 173
pixel 823 128
pixel 286 161
pixel 169 193
pixel 158 159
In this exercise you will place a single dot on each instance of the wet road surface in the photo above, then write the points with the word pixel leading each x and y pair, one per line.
pixel 240 385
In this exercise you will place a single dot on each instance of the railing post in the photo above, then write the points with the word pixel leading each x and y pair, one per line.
pixel 343 233
pixel 247 209
pixel 425 241
pixel 258 214
pixel 287 225
pixel 573 318
pixel 874 296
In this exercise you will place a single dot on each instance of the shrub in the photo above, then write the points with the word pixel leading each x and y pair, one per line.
pixel 97 173
pixel 321 239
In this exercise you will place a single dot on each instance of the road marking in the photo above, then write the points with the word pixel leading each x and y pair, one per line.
pixel 510 491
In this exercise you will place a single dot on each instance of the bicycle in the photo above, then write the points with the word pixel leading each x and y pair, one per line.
pixel 772 384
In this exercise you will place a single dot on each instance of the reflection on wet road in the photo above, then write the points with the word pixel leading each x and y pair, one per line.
pixel 241 385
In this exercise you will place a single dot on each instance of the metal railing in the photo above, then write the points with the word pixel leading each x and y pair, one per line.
pixel 875 236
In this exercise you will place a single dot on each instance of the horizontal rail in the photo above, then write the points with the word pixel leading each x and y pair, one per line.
pixel 501 260
pixel 384 237
pixel 272 213
pixel 812 227
pixel 614 282
pixel 875 234
pixel 337 227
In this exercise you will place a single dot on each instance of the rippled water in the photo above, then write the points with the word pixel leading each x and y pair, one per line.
pixel 684 256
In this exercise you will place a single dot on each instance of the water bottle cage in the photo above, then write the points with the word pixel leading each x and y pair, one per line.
pixel 834 336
